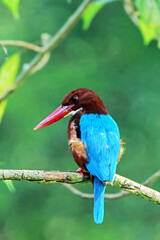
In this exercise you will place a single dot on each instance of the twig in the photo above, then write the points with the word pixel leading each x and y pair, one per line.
pixel 113 196
pixel 21 44
pixel 152 179
pixel 75 177
pixel 130 10
pixel 73 19
pixel 89 195
pixel 5 51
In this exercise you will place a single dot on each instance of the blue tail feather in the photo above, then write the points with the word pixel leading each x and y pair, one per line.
pixel 99 190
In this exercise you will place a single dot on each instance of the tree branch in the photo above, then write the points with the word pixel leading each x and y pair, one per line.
pixel 113 196
pixel 66 28
pixel 44 176
pixel 75 177
pixel 23 44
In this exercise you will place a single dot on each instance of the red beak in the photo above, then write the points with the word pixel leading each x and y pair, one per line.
pixel 59 113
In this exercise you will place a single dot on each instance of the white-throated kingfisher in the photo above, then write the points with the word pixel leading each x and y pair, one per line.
pixel 94 140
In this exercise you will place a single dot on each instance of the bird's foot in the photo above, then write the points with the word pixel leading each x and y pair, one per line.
pixel 80 171
pixel 104 183
pixel 111 184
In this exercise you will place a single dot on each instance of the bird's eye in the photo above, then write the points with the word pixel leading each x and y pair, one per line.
pixel 74 99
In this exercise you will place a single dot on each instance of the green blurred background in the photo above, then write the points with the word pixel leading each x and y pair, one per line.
pixel 111 59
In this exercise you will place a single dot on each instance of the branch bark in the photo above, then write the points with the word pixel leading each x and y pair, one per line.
pixel 113 196
pixel 44 176
pixel 55 40
pixel 75 177
pixel 23 44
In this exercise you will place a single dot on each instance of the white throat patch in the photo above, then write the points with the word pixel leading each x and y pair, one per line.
pixel 74 112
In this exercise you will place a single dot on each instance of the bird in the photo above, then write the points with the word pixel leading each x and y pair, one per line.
pixel 94 140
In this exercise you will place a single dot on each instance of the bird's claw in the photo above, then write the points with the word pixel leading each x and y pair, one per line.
pixel 80 171
pixel 105 183
pixel 111 184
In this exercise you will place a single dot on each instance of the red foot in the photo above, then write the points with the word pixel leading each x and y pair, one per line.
pixel 80 171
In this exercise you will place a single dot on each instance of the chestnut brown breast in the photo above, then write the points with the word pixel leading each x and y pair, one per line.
pixel 77 146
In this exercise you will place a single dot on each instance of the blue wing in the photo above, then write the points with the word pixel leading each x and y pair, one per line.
pixel 101 136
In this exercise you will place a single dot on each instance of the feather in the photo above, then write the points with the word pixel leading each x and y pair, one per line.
pixel 101 137
pixel 98 210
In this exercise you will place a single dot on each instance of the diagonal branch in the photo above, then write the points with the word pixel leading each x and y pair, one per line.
pixel 66 28
pixel 75 177
pixel 113 196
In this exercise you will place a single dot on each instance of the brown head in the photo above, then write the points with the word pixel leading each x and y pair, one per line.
pixel 81 99
pixel 86 99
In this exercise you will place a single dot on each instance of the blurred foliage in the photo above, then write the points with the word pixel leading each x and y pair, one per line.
pixel 12 5
pixel 109 58
pixel 149 19
pixel 8 73
pixel 10 186
pixel 91 12
pixel 2 108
